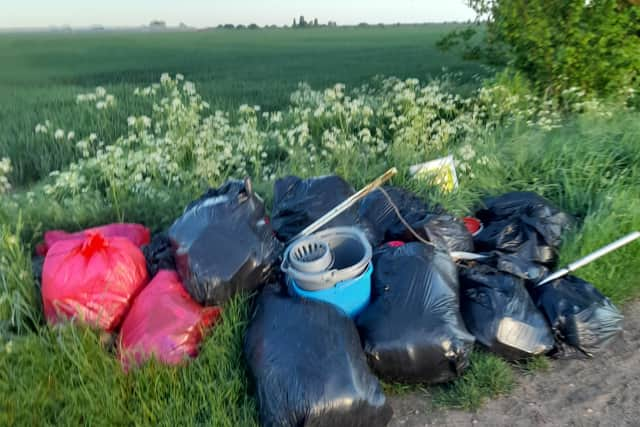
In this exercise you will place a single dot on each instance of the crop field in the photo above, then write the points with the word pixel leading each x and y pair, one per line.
pixel 42 73
pixel 105 127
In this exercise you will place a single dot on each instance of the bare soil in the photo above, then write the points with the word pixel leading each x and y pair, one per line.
pixel 603 391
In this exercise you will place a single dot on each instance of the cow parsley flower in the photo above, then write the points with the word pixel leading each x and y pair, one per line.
pixel 71 135
pixel 101 92
pixel 59 134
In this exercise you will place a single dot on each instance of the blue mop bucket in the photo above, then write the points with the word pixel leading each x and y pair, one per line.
pixel 332 266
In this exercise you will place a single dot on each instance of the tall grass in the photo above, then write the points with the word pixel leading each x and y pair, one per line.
pixel 70 376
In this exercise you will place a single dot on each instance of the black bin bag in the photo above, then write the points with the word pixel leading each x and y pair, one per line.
pixel 222 244
pixel 308 366
pixel 297 203
pixel 432 224
pixel 497 309
pixel 412 331
pixel 524 224
pixel 376 210
pixel 445 231
pixel 584 321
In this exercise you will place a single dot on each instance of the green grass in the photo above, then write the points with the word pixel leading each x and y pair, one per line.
pixel 70 376
pixel 488 376
pixel 41 74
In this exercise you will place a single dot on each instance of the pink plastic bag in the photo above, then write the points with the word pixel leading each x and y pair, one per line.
pixel 93 279
pixel 136 233
pixel 164 322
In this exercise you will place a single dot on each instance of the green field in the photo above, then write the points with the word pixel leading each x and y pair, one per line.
pixel 42 73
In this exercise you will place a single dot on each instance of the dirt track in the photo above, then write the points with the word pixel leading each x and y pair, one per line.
pixel 604 391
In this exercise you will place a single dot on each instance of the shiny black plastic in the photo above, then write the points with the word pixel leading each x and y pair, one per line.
pixel 308 366
pixel 412 331
pixel 159 254
pixel 524 224
pixel 499 312
pixel 445 231
pixel 581 317
pixel 297 203
pixel 376 210
pixel 222 244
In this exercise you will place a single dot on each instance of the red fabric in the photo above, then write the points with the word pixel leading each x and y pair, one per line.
pixel 395 244
pixel 93 279
pixel 136 233
pixel 164 322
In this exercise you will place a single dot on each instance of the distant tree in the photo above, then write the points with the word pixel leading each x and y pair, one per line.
pixel 157 24
pixel 301 22
pixel 315 22
pixel 253 26
pixel 295 24
pixel 228 26
pixel 240 27
pixel 363 24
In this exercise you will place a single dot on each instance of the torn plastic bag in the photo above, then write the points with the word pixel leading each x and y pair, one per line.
pixel 138 234
pixel 524 224
pixel 412 330
pixel 159 254
pixel 376 210
pixel 299 203
pixel 497 309
pixel 222 244
pixel 93 280
pixel 165 323
pixel 580 316
pixel 308 366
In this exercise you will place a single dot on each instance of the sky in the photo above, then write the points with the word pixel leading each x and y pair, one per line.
pixel 205 13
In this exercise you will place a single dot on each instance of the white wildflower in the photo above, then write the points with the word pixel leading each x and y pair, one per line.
pixel 40 128
pixel 189 88
pixel 179 77
pixel 467 152
pixel 146 121
pixel 165 78
pixel 131 121
pixel 71 135
pixel 93 137
pixel 101 105
pixel 59 134
pixel 101 92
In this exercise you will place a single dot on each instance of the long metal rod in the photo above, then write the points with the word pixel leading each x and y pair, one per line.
pixel 333 213
pixel 591 257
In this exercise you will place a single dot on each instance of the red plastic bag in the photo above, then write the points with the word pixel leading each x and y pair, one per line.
pixel 138 234
pixel 164 322
pixel 93 279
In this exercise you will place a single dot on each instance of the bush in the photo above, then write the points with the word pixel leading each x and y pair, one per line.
pixel 558 44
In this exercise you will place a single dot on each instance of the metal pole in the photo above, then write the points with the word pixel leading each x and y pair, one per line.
pixel 591 257
pixel 333 213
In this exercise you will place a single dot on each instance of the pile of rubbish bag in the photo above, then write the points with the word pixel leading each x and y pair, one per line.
pixel 313 362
